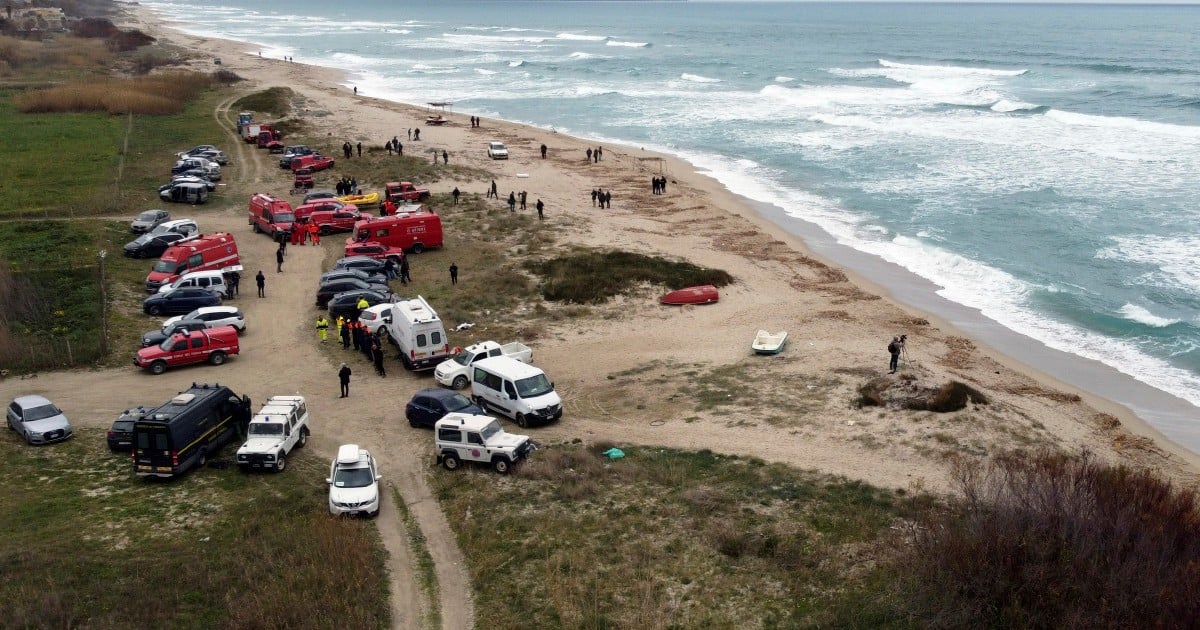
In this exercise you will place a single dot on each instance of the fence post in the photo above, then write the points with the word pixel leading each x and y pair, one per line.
pixel 70 355
pixel 103 309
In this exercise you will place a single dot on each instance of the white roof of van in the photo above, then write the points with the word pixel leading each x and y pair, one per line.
pixel 508 367
pixel 284 400
pixel 416 310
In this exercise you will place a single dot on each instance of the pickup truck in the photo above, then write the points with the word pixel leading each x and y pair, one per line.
pixel 399 192
pixel 214 345
pixel 280 426
pixel 455 372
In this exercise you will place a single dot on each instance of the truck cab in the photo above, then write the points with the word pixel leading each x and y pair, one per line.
pixel 455 372
pixel 278 428
pixel 399 192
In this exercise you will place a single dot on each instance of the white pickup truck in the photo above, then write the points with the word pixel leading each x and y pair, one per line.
pixel 455 372
pixel 280 426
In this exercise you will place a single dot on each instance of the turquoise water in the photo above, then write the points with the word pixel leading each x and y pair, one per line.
pixel 1037 163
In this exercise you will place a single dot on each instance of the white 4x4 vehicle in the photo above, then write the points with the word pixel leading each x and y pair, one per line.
pixel 461 437
pixel 353 482
pixel 280 426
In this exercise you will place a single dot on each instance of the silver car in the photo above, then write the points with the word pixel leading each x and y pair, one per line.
pixel 38 420
pixel 149 220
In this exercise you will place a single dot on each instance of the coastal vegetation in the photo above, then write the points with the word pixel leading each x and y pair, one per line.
pixel 591 277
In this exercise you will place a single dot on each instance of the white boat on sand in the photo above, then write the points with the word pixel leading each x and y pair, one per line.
pixel 768 342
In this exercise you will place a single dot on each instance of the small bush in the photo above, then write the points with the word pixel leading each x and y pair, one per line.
pixel 276 101
pixel 593 277
pixel 952 396
pixel 870 394
pixel 226 77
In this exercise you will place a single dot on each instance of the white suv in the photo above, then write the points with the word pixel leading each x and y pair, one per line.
pixel 215 316
pixel 353 482
pixel 460 437
pixel 497 151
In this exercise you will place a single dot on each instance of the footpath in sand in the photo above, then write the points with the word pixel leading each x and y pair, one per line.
pixel 629 374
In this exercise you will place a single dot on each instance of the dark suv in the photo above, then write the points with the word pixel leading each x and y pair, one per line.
pixel 331 288
pixel 120 435
pixel 429 405
pixel 285 160
pixel 151 245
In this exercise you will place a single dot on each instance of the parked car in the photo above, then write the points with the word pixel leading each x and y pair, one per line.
pixel 196 150
pixel 151 245
pixel 455 372
pixel 214 155
pixel 332 287
pixel 373 249
pixel 38 420
pixel 365 276
pixel 211 279
pixel 120 434
pixel 346 304
pixel 194 177
pixel 362 263
pixel 353 482
pixel 176 325
pixel 278 428
pixel 211 169
pixel 148 220
pixel 285 160
pixel 497 151
pixel 179 301
pixel 320 193
pixel 214 316
pixel 432 403
pixel 186 227
pixel 462 438
pixel 184 192
pixel 375 317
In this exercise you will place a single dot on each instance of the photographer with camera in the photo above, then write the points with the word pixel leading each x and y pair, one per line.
pixel 895 348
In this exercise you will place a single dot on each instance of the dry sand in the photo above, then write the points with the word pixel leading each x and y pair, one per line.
pixel 630 376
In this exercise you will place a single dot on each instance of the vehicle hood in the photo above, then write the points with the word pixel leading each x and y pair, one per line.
pixel 153 338
pixel 506 440
pixel 354 495
pixel 549 399
pixel 49 424
pixel 260 444
pixel 149 352
pixel 446 367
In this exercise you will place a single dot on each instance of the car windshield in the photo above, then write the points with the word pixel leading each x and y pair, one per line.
pixel 534 386
pixel 147 216
pixel 165 266
pixel 143 239
pixel 491 429
pixel 166 344
pixel 266 428
pixel 40 413
pixel 353 477
pixel 285 217
pixel 464 357
pixel 457 402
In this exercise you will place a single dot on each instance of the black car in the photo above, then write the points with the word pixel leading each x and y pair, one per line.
pixel 155 337
pixel 180 301
pixel 333 287
pixel 359 274
pixel 429 405
pixel 120 434
pixel 346 304
pixel 285 160
pixel 364 263
pixel 151 245
pixel 321 193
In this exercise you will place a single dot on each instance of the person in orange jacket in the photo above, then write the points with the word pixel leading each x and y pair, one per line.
pixel 315 233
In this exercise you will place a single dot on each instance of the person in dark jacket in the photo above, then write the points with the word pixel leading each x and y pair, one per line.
pixel 344 378
pixel 344 332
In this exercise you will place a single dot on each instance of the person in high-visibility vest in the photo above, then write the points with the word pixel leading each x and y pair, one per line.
pixel 323 328
pixel 362 304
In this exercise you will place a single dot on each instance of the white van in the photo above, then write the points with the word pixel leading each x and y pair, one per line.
pixel 514 389
pixel 209 279
pixel 417 330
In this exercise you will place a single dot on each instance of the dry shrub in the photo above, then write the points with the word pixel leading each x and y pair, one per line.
pixel 226 77
pixel 16 52
pixel 1052 541
pixel 954 396
pixel 870 394
pixel 706 499
pixel 1043 392
pixel 1106 422
pixel 164 93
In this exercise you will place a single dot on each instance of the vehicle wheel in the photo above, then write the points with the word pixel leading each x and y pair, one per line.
pixel 413 423
pixel 203 459
pixel 28 440
pixel 459 382
pixel 254 226
pixel 156 310
pixel 280 463
pixel 303 438
pixel 216 358
pixel 323 230
pixel 501 465
pixel 417 248
pixel 158 367
pixel 450 461
pixel 482 405
pixel 521 420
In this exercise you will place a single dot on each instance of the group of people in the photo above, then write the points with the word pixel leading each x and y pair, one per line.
pixel 347 186
pixel 658 185
pixel 592 155
pixel 474 122
pixel 232 279
pixel 604 197
pixel 348 149
pixel 354 332
pixel 394 145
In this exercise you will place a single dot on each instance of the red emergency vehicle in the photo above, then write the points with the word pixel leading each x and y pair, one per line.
pixel 195 253
pixel 213 345
pixel 400 192
pixel 271 214
pixel 413 232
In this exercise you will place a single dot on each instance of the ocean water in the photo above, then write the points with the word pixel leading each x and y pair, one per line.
pixel 1037 163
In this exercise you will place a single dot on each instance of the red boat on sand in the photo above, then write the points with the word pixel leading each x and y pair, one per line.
pixel 705 294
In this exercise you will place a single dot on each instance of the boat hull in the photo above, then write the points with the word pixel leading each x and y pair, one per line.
pixel 368 199
pixel 768 343
pixel 705 294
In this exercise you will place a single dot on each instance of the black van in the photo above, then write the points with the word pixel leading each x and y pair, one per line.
pixel 184 431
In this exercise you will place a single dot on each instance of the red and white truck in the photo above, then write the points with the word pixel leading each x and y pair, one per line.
pixel 413 232
pixel 213 345
pixel 400 192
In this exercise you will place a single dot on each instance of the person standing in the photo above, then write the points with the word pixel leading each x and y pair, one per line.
pixel 399 149
pixel 512 201
pixel 540 207
pixel 453 273
pixel 894 349
pixel 377 357
pixel 599 153
pixel 405 278
pixel 608 199
pixel 323 328
pixel 445 157
pixel 455 193
pixel 589 154
pixel 416 134
pixel 389 269
pixel 595 194
pixel 494 192
pixel 344 379
pixel 278 263
pixel 261 280
pixel 235 278
pixel 523 196
pixel 359 149
pixel 344 333
pixel 356 335
pixel 360 306
pixel 543 151
pixel 315 233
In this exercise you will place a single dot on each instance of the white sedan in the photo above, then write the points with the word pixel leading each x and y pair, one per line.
pixel 497 151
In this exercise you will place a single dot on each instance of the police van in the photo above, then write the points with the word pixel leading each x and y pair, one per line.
pixel 183 432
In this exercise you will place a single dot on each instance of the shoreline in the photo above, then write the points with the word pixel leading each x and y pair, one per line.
pixel 900 288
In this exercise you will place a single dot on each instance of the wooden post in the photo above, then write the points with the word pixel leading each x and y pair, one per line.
pixel 103 309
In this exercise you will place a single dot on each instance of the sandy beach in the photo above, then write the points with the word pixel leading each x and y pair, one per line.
pixel 840 323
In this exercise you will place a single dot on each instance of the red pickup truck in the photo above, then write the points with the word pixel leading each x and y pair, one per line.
pixel 313 162
pixel 213 345
pixel 399 192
